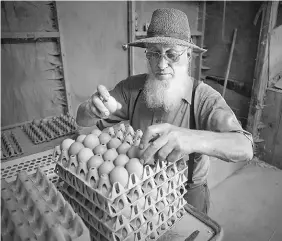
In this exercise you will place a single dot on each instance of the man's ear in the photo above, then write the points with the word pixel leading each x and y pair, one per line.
pixel 189 53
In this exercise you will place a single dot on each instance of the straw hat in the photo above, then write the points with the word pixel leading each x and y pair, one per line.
pixel 168 26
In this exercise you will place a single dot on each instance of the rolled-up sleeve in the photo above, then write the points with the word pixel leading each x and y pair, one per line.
pixel 216 115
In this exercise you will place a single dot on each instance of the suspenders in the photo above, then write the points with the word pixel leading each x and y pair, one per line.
pixel 192 124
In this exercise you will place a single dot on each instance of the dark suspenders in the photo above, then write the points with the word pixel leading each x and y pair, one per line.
pixel 192 124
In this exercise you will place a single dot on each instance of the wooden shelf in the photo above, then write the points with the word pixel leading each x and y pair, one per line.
pixel 143 34
pixel 29 35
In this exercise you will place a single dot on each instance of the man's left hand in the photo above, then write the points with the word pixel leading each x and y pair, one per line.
pixel 166 140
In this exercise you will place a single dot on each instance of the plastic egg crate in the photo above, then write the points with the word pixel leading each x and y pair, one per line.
pixel 147 225
pixel 155 183
pixel 33 209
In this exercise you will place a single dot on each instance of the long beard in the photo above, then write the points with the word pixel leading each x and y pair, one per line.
pixel 166 94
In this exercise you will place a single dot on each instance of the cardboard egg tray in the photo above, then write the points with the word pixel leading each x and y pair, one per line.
pixel 33 209
pixel 10 146
pixel 155 182
pixel 130 212
pixel 49 129
pixel 147 225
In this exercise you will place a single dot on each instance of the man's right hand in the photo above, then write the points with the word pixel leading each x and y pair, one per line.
pixel 102 104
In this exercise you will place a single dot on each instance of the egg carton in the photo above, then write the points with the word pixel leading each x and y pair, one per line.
pixel 119 198
pixel 10 146
pixel 147 226
pixel 33 209
pixel 164 195
pixel 48 129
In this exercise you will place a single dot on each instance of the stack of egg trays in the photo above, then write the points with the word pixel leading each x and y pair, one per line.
pixel 149 224
pixel 121 206
pixel 50 129
pixel 33 209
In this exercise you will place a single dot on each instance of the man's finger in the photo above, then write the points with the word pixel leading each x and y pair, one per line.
pixel 153 148
pixel 174 156
pixel 97 102
pixel 164 152
pixel 152 132
pixel 103 92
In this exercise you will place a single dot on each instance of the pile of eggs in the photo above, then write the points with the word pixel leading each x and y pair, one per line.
pixel 112 152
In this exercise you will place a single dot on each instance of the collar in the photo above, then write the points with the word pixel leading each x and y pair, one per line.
pixel 188 96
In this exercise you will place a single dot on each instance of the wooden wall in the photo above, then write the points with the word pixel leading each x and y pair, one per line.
pixel 93 34
pixel 31 80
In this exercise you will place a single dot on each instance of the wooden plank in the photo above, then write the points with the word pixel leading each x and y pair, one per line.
pixel 29 35
pixel 64 64
pixel 271 116
pixel 131 35
pixel 201 27
pixel 261 69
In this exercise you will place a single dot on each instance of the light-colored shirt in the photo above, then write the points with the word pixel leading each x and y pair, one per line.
pixel 210 110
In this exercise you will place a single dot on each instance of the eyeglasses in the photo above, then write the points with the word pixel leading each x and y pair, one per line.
pixel 171 57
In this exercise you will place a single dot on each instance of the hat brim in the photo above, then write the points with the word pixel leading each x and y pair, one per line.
pixel 141 43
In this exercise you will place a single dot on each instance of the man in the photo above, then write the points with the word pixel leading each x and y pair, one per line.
pixel 180 117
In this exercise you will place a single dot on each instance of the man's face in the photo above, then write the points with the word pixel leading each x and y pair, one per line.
pixel 169 66
pixel 168 76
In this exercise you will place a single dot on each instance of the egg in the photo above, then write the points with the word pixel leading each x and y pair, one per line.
pixel 114 143
pixel 100 149
pixel 104 138
pixel 123 148
pixel 95 161
pixel 91 141
pixel 133 152
pixel 96 132
pixel 110 155
pixel 128 139
pixel 121 160
pixel 80 138
pixel 75 148
pixel 134 166
pixel 111 104
pixel 119 174
pixel 106 167
pixel 67 143
pixel 84 154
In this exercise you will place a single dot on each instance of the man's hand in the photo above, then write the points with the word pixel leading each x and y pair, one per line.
pixel 166 140
pixel 102 104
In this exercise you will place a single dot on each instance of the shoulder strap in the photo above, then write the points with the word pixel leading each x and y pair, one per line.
pixel 192 123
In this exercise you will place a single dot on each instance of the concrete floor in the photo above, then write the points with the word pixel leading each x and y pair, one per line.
pixel 248 204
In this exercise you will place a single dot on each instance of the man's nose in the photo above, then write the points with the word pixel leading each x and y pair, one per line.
pixel 162 63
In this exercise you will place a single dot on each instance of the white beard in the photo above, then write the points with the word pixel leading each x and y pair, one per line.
pixel 166 94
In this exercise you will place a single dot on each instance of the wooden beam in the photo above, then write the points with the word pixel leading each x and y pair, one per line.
pixel 29 35
pixel 131 35
pixel 261 69
pixel 64 63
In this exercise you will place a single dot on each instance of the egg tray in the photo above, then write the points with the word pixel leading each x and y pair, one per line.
pixel 10 146
pixel 33 209
pixel 141 228
pixel 49 129
pixel 136 188
pixel 129 211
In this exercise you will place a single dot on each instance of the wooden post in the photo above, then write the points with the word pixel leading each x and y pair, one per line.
pixel 64 63
pixel 131 35
pixel 261 69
